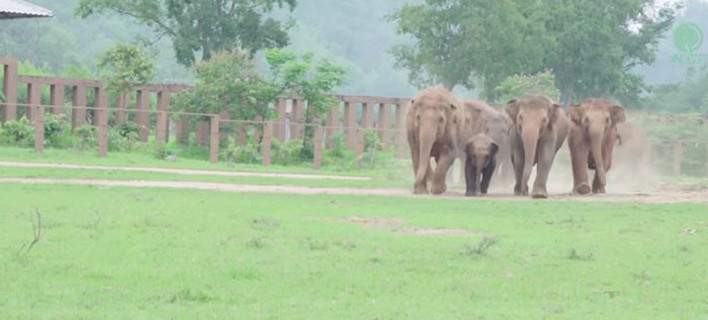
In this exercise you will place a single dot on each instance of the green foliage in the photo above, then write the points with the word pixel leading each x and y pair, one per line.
pixel 203 26
pixel 230 82
pixel 591 46
pixel 517 86
pixel 57 130
pixel 18 132
pixel 125 66
pixel 311 79
pixel 286 153
pixel 85 137
pixel 690 95
pixel 248 153
pixel 162 152
pixel 124 137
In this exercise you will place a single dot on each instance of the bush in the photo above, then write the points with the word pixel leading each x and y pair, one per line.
pixel 57 130
pixel 17 132
pixel 162 152
pixel 517 86
pixel 248 153
pixel 85 137
pixel 124 137
pixel 288 153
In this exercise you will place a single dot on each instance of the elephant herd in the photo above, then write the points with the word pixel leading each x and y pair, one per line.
pixel 529 132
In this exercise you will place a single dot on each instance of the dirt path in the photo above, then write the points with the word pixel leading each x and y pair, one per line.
pixel 187 172
pixel 674 197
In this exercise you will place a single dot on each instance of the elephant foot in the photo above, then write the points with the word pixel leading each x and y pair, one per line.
pixel 583 189
pixel 420 190
pixel 438 190
pixel 471 194
pixel 519 191
pixel 540 193
pixel 599 190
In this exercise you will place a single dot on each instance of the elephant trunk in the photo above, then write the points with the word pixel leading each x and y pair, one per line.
pixel 530 140
pixel 597 135
pixel 428 133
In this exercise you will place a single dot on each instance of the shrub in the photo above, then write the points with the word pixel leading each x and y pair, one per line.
pixel 85 137
pixel 18 132
pixel 57 130
pixel 517 86
pixel 288 153
pixel 124 137
pixel 247 153
pixel 162 152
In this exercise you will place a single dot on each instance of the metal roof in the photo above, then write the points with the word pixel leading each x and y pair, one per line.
pixel 14 9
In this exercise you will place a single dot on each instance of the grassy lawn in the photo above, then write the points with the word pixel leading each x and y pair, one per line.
pixel 120 253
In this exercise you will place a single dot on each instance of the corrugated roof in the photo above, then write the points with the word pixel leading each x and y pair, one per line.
pixel 13 9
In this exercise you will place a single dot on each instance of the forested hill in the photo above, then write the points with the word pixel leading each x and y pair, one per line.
pixel 353 33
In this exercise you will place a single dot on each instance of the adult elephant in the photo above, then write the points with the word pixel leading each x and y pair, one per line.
pixel 540 129
pixel 433 124
pixel 592 139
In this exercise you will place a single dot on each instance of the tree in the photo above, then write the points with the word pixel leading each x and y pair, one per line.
pixel 591 46
pixel 460 41
pixel 203 26
pixel 518 85
pixel 229 82
pixel 125 66
pixel 313 80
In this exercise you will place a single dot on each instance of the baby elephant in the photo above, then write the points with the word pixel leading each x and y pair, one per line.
pixel 481 153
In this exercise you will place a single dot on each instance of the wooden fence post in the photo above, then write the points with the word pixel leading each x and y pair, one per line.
pixel 332 125
pixel 121 105
pixel 80 104
pixel 279 129
pixel 678 158
pixel 56 92
pixel 350 124
pixel 318 144
pixel 298 117
pixel 267 142
pixel 34 99
pixel 142 116
pixel 38 119
pixel 182 129
pixel 10 90
pixel 214 138
pixel 102 120
pixel 383 125
pixel 163 103
pixel 401 140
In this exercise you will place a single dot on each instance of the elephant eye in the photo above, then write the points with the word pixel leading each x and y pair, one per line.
pixel 441 119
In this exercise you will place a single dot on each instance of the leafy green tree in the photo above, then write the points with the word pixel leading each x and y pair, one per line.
pixel 519 85
pixel 125 66
pixel 229 82
pixel 313 80
pixel 592 46
pixel 203 26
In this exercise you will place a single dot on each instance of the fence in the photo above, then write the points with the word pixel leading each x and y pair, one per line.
pixel 149 107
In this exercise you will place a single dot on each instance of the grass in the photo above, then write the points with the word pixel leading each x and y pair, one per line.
pixel 120 253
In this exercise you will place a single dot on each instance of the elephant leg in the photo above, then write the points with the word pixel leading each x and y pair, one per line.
pixel 517 161
pixel 579 154
pixel 487 175
pixel 470 178
pixel 445 160
pixel 546 156
pixel 597 187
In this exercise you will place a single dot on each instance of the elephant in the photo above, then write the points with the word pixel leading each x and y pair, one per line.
pixel 433 126
pixel 496 124
pixel 539 130
pixel 591 141
pixel 481 151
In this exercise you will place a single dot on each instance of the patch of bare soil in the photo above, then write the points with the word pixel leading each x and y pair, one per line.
pixel 398 226
pixel 668 196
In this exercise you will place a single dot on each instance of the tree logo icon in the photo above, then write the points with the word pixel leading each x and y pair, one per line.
pixel 688 37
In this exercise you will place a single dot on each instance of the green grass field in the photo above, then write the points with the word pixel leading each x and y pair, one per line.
pixel 119 253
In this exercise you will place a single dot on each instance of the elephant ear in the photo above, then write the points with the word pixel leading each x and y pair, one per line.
pixel 617 114
pixel 576 114
pixel 512 109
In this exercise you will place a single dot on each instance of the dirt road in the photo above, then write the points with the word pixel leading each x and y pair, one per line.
pixel 665 197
